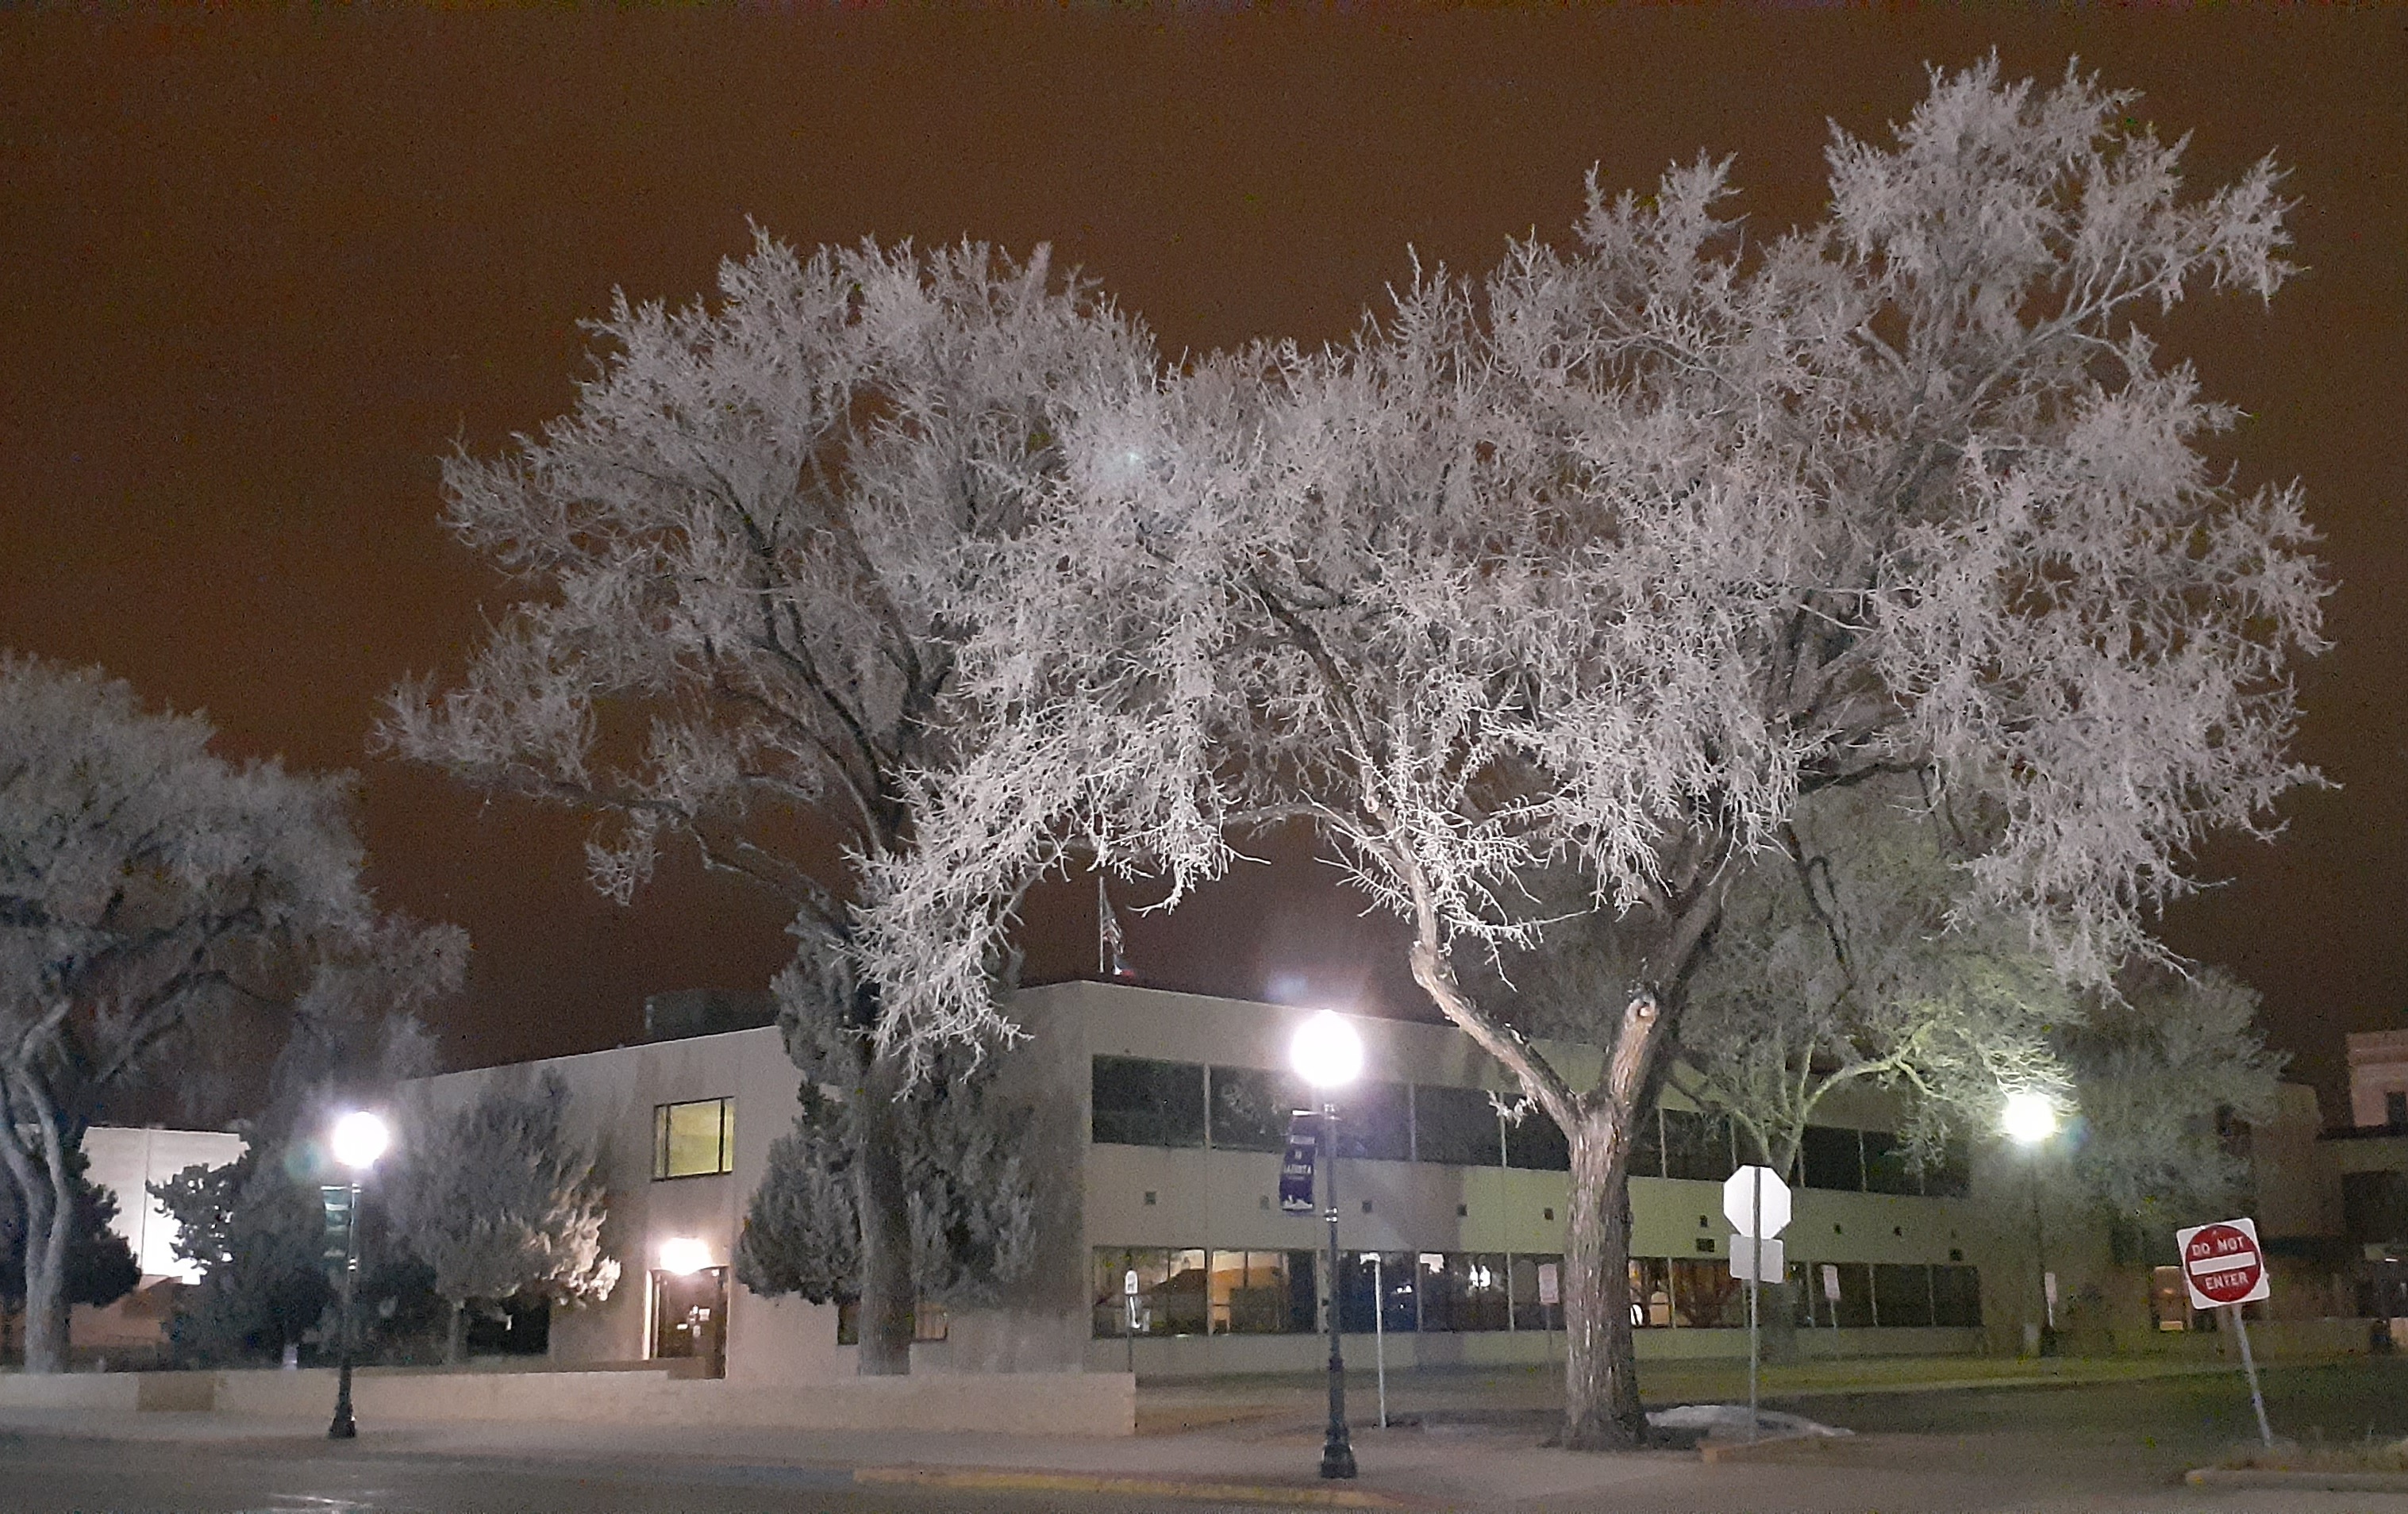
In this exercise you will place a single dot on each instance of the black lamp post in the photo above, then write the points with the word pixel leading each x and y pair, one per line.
pixel 359 1139
pixel 1328 1055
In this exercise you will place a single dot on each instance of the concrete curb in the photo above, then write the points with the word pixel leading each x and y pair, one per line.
pixel 1765 1448
pixel 1008 1480
pixel 2258 1476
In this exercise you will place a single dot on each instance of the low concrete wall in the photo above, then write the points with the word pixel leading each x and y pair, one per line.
pixel 106 1391
pixel 1029 1404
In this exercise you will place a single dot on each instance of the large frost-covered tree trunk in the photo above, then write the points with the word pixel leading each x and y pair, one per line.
pixel 1601 1409
pixel 888 1309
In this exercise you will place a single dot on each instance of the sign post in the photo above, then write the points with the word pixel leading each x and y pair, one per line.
pixel 1129 1330
pixel 1757 1203
pixel 1550 1294
pixel 1380 1331
pixel 2223 1267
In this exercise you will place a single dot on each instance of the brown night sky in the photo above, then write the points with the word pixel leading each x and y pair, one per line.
pixel 261 272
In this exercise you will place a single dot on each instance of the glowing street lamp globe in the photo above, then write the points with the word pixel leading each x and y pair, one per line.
pixel 359 1139
pixel 1327 1052
pixel 2029 1118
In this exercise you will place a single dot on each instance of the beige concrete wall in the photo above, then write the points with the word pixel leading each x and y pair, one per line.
pixel 1051 1404
pixel 2378 1064
pixel 612 1098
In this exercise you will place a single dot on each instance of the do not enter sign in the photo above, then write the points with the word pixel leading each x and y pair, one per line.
pixel 2222 1264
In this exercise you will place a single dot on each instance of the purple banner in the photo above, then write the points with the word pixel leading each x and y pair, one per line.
pixel 1295 1169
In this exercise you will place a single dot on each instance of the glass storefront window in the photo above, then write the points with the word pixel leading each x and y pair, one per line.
pixel 1397 1272
pixel 1170 1296
pixel 1262 1293
pixel 1705 1297
pixel 1957 1297
pixel 1901 1294
pixel 1523 1291
pixel 1651 1292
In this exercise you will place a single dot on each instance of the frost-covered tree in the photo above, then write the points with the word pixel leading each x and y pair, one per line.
pixel 504 1202
pixel 256 1227
pixel 741 550
pixel 972 1202
pixel 145 884
pixel 1608 561
pixel 2163 1072
pixel 1851 955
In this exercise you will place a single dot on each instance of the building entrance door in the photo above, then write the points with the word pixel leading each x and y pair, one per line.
pixel 690 1318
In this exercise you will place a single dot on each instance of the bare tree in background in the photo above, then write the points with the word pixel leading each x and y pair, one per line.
pixel 741 552
pixel 147 885
pixel 1851 955
pixel 1609 561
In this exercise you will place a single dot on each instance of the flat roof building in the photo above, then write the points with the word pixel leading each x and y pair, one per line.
pixel 1163 1115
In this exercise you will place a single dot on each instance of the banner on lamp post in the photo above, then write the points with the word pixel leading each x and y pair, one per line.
pixel 1296 1168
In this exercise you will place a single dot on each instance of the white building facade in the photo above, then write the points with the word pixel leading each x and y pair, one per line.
pixel 1164 1116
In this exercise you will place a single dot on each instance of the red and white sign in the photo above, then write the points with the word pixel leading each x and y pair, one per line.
pixel 2222 1264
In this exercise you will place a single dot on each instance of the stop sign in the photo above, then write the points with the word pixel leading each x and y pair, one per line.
pixel 2222 1264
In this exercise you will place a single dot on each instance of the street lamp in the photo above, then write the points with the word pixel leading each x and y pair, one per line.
pixel 2029 1119
pixel 1327 1054
pixel 358 1139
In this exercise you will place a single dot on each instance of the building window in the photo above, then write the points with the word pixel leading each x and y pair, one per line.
pixel 1262 1293
pixel 1458 1127
pixel 1140 1102
pixel 1535 1143
pixel 1957 1297
pixel 1171 1285
pixel 1400 1308
pixel 1522 1286
pixel 1463 1292
pixel 1251 1108
pixel 1705 1295
pixel 1832 1156
pixel 1901 1294
pixel 1696 1146
pixel 1886 1165
pixel 1375 1122
pixel 1651 1292
pixel 695 1139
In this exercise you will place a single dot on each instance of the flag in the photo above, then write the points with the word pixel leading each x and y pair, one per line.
pixel 1109 945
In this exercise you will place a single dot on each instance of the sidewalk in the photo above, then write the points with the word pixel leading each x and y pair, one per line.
pixel 1461 1439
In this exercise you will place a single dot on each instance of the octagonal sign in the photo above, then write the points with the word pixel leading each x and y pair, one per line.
pixel 2222 1264
pixel 1743 1199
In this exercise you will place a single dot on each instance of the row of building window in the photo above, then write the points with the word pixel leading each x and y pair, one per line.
pixel 1195 1291
pixel 1137 1101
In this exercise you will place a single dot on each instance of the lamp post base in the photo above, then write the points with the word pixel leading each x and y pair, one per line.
pixel 1337 1456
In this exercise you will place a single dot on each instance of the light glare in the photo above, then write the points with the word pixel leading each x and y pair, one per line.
pixel 359 1139
pixel 684 1255
pixel 1327 1052
pixel 2029 1118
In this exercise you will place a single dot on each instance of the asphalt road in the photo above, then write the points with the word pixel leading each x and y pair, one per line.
pixel 57 1476
pixel 2090 1449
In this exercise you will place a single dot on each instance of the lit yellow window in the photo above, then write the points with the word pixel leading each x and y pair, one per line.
pixel 694 1140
